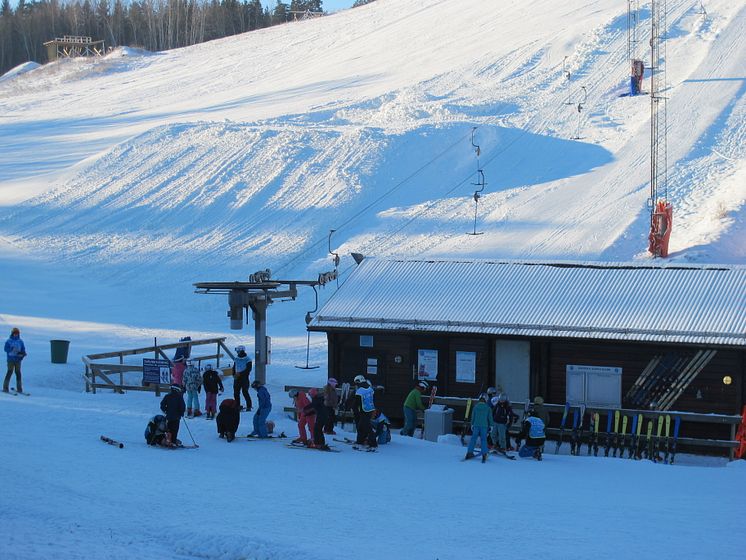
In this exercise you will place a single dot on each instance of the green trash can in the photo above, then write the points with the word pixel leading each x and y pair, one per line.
pixel 59 351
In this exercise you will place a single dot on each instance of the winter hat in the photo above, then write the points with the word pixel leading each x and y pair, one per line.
pixel 538 400
pixel 15 331
pixel 424 384
pixel 256 384
pixel 313 393
pixel 176 388
pixel 332 382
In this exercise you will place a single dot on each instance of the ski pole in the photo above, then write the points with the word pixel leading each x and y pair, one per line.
pixel 190 433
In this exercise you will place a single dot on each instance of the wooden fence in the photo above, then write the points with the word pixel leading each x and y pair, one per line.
pixel 100 374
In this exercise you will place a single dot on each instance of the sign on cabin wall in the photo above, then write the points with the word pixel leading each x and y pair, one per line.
pixel 594 385
pixel 427 364
pixel 156 371
pixel 466 367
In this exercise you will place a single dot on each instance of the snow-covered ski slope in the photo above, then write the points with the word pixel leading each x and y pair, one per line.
pixel 249 149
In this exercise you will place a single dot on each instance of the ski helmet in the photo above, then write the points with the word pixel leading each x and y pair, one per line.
pixel 502 397
pixel 241 348
pixel 359 379
pixel 176 388
pixel 293 393
pixel 491 391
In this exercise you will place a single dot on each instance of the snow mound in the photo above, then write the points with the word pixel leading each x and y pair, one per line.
pixel 20 69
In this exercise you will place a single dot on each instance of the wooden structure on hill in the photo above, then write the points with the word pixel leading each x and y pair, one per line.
pixel 70 46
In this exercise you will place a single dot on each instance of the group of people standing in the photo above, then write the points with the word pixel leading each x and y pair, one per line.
pixel 491 419
pixel 187 378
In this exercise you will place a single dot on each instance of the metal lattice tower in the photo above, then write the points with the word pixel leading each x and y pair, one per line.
pixel 633 11
pixel 658 124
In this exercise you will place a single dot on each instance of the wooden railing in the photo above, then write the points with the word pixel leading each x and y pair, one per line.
pixel 98 374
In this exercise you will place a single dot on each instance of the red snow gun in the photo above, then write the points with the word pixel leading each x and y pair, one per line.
pixel 661 222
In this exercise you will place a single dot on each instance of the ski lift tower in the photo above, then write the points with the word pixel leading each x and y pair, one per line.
pixel 661 211
pixel 637 66
pixel 257 295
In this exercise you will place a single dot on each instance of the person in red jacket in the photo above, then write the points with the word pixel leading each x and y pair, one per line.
pixel 306 416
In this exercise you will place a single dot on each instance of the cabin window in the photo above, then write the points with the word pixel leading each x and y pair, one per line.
pixel 372 366
pixel 366 341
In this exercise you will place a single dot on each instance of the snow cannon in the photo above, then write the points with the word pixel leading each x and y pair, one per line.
pixel 661 222
pixel 636 76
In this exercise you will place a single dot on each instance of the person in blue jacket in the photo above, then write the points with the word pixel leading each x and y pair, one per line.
pixel 16 351
pixel 173 406
pixel 265 406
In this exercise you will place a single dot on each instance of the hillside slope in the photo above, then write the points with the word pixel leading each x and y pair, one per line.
pixel 239 154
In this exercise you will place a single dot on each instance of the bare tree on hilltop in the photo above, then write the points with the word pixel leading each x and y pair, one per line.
pixel 154 25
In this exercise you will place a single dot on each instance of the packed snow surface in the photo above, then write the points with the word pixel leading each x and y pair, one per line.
pixel 124 179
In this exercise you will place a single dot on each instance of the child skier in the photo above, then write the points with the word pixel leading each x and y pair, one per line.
pixel 228 419
pixel 503 417
pixel 265 407
pixel 534 436
pixel 193 385
pixel 306 416
pixel 177 370
pixel 381 427
pixel 481 422
pixel 331 401
pixel 241 370
pixel 317 403
pixel 173 407
pixel 213 387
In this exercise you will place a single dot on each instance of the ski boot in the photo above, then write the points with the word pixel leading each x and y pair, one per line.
pixel 197 413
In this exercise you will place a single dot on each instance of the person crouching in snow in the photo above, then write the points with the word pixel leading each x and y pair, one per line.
pixel 481 422
pixel 265 407
pixel 305 414
pixel 193 385
pixel 213 386
pixel 228 419
pixel 317 404
pixel 173 407
pixel 156 433
pixel 331 401
pixel 534 436
pixel 380 425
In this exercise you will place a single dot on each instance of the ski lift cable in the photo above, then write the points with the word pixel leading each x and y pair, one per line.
pixel 608 65
pixel 375 201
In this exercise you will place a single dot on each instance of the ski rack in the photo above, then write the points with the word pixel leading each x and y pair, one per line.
pixel 686 417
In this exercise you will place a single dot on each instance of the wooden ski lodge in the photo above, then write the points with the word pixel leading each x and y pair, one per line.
pixel 654 337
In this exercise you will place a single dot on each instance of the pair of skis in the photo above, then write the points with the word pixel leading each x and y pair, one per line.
pixel 14 391
pixel 357 446
pixel 433 392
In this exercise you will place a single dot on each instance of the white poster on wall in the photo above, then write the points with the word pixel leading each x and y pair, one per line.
pixel 427 364
pixel 466 367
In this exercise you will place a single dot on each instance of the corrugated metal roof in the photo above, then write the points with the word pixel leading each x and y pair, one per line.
pixel 693 304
